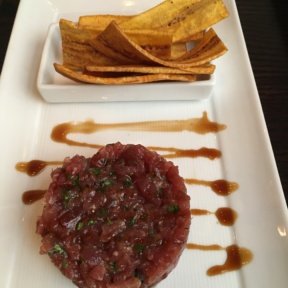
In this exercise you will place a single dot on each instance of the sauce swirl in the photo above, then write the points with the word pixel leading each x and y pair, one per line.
pixel 198 125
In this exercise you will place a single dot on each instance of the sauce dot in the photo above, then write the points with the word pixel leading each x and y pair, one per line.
pixel 226 216
pixel 31 196
pixel 236 258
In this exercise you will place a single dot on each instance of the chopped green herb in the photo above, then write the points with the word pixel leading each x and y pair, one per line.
pixel 127 181
pixel 64 264
pixel 173 208
pixel 132 221
pixel 113 267
pixel 106 183
pixel 109 221
pixel 139 248
pixel 74 180
pixel 57 249
pixel 90 222
pixel 95 170
pixel 67 195
pixel 79 225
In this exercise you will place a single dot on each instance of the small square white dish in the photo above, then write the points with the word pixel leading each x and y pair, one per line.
pixel 53 87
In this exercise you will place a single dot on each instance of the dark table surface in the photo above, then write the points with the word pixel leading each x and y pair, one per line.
pixel 265 29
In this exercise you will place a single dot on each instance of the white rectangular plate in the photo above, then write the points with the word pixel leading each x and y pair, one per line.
pixel 26 122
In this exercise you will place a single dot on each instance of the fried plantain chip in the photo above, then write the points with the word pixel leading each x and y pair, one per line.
pixel 208 49
pixel 125 51
pixel 70 31
pixel 189 38
pixel 133 79
pixel 152 38
pixel 79 55
pixel 157 42
pixel 101 21
pixel 177 50
pixel 201 16
pixel 183 17
pixel 115 44
pixel 204 69
pixel 165 15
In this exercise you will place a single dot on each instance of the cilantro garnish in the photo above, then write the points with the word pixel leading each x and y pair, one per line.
pixel 173 208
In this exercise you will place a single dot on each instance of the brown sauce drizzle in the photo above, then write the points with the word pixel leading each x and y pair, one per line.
pixel 198 125
pixel 236 257
pixel 225 215
pixel 210 153
pixel 200 212
pixel 193 246
pixel 34 167
pixel 31 196
pixel 221 187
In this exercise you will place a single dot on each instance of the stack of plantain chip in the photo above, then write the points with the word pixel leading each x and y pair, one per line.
pixel 148 47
